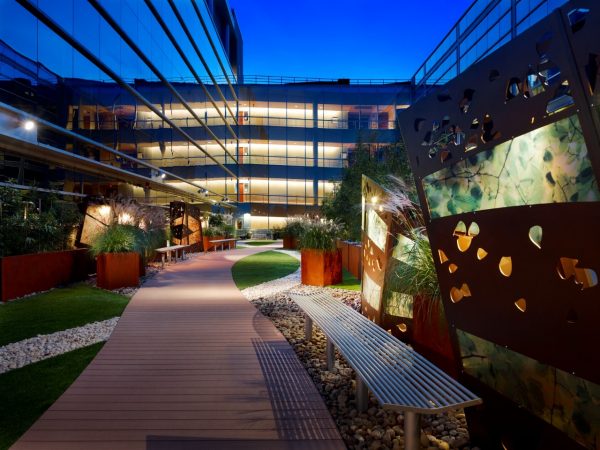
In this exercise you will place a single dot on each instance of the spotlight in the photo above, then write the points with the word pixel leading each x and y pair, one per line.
pixel 163 175
pixel 29 125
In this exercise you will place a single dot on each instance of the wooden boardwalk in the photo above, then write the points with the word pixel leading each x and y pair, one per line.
pixel 191 365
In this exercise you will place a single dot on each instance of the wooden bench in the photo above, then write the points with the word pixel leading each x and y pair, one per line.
pixel 222 242
pixel 166 252
pixel 398 377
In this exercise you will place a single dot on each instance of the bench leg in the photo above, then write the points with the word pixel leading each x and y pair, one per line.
pixel 308 326
pixel 412 430
pixel 330 354
pixel 362 395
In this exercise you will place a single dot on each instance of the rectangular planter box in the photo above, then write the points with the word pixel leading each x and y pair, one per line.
pixel 24 274
pixel 343 247
pixel 321 268
pixel 117 270
pixel 355 260
pixel 290 243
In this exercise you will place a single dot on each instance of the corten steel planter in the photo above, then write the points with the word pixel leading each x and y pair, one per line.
pixel 25 274
pixel 431 336
pixel 117 270
pixel 290 242
pixel 321 267
pixel 207 246
pixel 355 260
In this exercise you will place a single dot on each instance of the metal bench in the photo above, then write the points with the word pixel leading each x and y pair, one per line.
pixel 398 377
pixel 262 234
pixel 166 252
pixel 223 241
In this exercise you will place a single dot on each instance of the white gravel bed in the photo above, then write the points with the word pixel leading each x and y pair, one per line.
pixel 28 351
pixel 272 287
pixel 376 429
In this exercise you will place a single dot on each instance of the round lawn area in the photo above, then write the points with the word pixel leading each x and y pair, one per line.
pixel 258 243
pixel 263 267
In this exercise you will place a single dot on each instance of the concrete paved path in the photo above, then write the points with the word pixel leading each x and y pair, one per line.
pixel 191 365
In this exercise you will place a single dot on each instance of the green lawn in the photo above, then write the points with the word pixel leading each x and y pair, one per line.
pixel 257 243
pixel 27 392
pixel 262 267
pixel 348 282
pixel 57 310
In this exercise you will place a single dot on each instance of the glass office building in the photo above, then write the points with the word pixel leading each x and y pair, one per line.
pixel 156 90
pixel 486 26
pixel 148 99
pixel 75 79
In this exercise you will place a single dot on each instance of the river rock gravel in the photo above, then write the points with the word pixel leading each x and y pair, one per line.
pixel 376 429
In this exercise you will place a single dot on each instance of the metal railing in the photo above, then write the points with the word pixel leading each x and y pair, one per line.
pixel 484 27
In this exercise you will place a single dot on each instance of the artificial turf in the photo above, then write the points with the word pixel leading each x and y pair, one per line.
pixel 56 310
pixel 349 282
pixel 263 267
pixel 257 243
pixel 29 391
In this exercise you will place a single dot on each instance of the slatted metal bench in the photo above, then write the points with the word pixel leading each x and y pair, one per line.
pixel 398 377
pixel 166 251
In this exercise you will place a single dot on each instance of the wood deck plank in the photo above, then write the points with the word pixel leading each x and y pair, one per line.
pixel 191 364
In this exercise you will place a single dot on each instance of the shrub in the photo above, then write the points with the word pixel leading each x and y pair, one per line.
pixel 228 230
pixel 277 233
pixel 213 231
pixel 27 228
pixel 153 239
pixel 119 239
pixel 294 227
pixel 317 235
pixel 216 220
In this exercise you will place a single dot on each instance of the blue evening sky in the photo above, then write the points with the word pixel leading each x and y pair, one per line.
pixel 342 38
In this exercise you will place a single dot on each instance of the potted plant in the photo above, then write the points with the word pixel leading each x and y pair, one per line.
pixel 321 260
pixel 291 232
pixel 118 251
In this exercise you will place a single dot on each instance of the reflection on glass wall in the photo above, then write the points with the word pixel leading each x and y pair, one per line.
pixel 485 27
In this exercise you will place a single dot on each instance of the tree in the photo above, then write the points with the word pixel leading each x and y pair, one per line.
pixel 31 222
pixel 344 204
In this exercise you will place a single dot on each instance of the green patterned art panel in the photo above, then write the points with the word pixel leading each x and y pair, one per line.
pixel 547 165
pixel 398 304
pixel 565 401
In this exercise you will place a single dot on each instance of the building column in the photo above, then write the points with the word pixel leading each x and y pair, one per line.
pixel 315 152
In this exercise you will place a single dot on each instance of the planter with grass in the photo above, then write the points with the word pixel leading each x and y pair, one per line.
pixel 291 232
pixel 321 260
pixel 415 275
pixel 118 251
pixel 211 234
